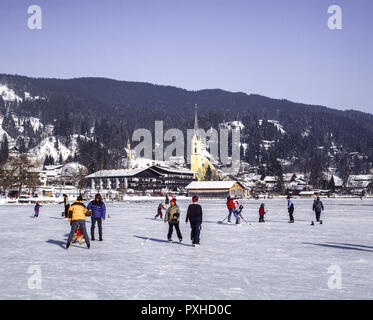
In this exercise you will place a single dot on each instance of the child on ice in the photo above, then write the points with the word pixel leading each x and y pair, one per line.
pixel 237 214
pixel 159 211
pixel 261 213
pixel 36 209
pixel 78 236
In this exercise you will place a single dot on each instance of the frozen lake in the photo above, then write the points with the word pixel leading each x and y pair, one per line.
pixel 275 260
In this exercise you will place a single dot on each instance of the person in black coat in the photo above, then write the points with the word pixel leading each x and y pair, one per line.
pixel 290 210
pixel 67 205
pixel 318 207
pixel 194 216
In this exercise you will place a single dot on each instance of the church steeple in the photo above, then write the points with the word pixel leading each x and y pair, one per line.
pixel 196 159
pixel 195 120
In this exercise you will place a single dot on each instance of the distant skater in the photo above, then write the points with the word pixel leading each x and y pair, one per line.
pixel 172 216
pixel 262 212
pixel 159 211
pixel 290 210
pixel 37 209
pixel 318 207
pixel 66 204
pixel 166 201
pixel 194 216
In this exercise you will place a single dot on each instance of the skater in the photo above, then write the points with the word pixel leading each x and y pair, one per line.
pixel 67 205
pixel 172 216
pixel 77 216
pixel 194 216
pixel 167 201
pixel 290 210
pixel 159 211
pixel 237 214
pixel 36 209
pixel 231 207
pixel 98 209
pixel 262 212
pixel 318 207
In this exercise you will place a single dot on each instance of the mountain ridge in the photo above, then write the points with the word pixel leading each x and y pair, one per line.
pixel 108 111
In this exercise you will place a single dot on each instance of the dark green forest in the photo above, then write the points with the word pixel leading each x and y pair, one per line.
pixel 316 137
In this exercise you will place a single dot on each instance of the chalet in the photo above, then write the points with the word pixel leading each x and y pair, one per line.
pixel 216 189
pixel 360 184
pixel 141 179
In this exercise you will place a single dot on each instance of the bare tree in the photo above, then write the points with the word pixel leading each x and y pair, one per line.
pixel 19 172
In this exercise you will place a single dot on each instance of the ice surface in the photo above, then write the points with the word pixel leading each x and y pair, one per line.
pixel 275 260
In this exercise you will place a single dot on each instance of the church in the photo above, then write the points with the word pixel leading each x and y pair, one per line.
pixel 199 163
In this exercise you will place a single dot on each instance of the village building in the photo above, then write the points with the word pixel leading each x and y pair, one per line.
pixel 153 178
pixel 360 184
pixel 216 189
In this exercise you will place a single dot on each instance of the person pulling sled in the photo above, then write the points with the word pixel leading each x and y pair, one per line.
pixel 77 217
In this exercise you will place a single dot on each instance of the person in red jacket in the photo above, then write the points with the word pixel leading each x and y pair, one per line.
pixel 231 207
pixel 262 212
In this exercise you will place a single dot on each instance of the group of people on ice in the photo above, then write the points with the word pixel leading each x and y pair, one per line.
pixel 96 209
pixel 194 215
pixel 234 208
pixel 318 207
pixel 77 213
pixel 172 216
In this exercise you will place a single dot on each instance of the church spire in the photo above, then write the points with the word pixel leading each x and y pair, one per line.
pixel 195 119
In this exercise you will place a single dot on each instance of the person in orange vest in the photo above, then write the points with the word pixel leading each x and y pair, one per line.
pixel 77 217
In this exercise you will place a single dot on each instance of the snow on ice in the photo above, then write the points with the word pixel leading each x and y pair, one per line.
pixel 274 260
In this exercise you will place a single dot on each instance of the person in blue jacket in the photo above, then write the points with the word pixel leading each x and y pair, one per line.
pixel 98 209
pixel 36 209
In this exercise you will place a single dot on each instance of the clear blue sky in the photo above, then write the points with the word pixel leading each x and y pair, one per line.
pixel 277 48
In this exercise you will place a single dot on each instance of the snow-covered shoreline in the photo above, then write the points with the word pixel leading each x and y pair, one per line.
pixel 53 200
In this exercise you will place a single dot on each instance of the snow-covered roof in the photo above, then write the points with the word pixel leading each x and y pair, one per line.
pixel 288 176
pixel 308 193
pixel 172 170
pixel 211 185
pixel 361 177
pixel 72 168
pixel 115 173
pixel 272 179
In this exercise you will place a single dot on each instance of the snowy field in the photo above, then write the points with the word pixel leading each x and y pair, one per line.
pixel 275 260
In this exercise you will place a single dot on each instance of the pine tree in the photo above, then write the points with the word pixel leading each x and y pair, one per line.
pixel 4 149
